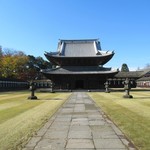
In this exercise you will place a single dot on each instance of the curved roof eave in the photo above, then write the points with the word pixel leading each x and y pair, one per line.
pixel 61 60
pixel 54 72
pixel 57 54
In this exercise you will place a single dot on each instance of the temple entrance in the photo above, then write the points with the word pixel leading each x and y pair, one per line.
pixel 79 84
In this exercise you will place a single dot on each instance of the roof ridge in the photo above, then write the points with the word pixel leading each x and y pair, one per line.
pixel 69 40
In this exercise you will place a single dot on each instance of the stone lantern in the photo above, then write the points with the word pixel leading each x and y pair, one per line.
pixel 127 88
pixel 32 88
pixel 52 87
pixel 107 87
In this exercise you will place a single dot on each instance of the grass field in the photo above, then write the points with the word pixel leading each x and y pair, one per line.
pixel 132 116
pixel 20 118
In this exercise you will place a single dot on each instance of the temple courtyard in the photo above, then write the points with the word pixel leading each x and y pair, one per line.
pixel 75 121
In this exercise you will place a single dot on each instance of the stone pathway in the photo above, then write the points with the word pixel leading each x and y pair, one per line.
pixel 79 125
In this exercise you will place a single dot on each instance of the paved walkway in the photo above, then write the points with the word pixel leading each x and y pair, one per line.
pixel 79 125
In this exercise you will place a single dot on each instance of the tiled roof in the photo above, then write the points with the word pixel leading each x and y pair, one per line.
pixel 130 74
pixel 79 48
pixel 146 75
pixel 72 48
pixel 144 79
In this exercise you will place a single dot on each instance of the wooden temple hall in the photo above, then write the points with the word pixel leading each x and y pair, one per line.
pixel 79 64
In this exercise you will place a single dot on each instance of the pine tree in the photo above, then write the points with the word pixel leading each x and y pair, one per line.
pixel 124 68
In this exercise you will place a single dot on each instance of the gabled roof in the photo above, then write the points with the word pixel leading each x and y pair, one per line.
pixel 146 75
pixel 80 48
pixel 130 74
pixel 144 79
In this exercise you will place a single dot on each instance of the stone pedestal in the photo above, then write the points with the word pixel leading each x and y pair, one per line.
pixel 127 94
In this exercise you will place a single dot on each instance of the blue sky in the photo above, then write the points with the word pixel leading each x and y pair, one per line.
pixel 35 26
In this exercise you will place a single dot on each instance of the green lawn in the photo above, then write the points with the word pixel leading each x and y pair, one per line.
pixel 132 116
pixel 20 118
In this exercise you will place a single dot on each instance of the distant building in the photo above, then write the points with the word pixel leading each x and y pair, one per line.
pixel 145 80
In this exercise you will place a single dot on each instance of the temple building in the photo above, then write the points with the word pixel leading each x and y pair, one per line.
pixel 79 64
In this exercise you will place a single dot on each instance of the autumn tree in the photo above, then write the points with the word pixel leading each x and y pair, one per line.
pixel 21 70
pixel 15 64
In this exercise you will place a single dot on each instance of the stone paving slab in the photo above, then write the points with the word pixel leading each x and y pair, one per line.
pixel 109 143
pixel 79 125
pixel 80 135
pixel 49 144
pixel 80 143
